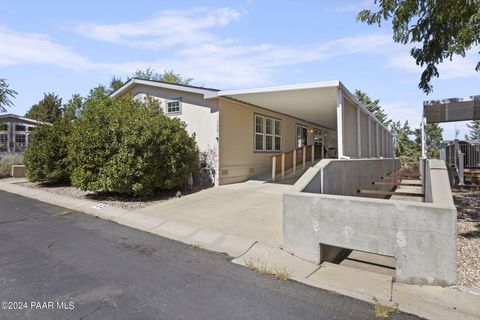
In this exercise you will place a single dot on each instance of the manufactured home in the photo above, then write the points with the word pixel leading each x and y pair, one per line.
pixel 14 132
pixel 269 132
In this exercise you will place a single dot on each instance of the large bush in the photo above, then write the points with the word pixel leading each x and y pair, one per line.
pixel 46 155
pixel 124 146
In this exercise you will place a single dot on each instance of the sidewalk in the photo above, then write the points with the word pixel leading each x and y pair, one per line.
pixel 244 221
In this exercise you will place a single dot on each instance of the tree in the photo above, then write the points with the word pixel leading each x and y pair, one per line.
pixel 46 155
pixel 73 108
pixel 442 28
pixel 49 109
pixel 6 94
pixel 124 146
pixel 115 83
pixel 474 130
pixel 433 134
pixel 373 106
pixel 405 149
pixel 167 76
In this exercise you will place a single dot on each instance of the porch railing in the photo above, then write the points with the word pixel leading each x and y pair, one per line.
pixel 294 159
pixel 460 155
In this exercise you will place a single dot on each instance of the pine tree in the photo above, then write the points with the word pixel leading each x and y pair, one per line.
pixel 405 149
pixel 6 94
pixel 49 109
pixel 434 137
pixel 373 106
pixel 167 76
pixel 115 83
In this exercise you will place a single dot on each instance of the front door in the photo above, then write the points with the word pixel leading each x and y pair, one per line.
pixel 302 133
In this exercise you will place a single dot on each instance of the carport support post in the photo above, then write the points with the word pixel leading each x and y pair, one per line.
pixel 339 122
pixel 274 168
pixel 424 149
pixel 14 137
pixel 304 154
pixel 369 137
pixel 359 134
pixel 294 160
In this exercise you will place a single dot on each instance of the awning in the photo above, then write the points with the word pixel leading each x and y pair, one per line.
pixel 454 109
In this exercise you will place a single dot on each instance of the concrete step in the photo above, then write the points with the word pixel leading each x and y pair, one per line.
pixel 368 267
pixel 361 284
pixel 368 257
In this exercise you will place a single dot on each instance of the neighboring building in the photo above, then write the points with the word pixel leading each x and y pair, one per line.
pixel 240 131
pixel 14 132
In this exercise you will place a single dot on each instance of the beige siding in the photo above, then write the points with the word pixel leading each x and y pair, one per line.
pixel 238 160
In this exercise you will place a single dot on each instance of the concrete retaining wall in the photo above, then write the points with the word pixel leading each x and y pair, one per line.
pixel 344 177
pixel 421 236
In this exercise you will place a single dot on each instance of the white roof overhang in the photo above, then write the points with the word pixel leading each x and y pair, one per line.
pixel 312 102
pixel 159 84
pixel 450 110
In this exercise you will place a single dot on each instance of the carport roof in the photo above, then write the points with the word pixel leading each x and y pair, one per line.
pixel 453 109
pixel 315 102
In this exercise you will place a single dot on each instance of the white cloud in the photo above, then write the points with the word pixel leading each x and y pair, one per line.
pixel 459 67
pixel 401 110
pixel 34 48
pixel 188 41
pixel 236 65
pixel 167 29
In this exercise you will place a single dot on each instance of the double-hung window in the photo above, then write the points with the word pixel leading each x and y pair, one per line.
pixel 174 107
pixel 268 134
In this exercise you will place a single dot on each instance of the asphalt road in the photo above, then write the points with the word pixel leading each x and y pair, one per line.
pixel 60 264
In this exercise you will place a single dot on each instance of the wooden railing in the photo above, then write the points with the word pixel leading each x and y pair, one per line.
pixel 294 158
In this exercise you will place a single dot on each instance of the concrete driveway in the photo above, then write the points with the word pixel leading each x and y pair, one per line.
pixel 251 209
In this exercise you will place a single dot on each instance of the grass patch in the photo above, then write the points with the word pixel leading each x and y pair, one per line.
pixel 196 245
pixel 250 264
pixel 382 311
pixel 262 267
pixel 282 273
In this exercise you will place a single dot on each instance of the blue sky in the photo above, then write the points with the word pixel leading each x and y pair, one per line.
pixel 69 47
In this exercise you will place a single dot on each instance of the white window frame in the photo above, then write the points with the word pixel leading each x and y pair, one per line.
pixel 179 111
pixel 275 124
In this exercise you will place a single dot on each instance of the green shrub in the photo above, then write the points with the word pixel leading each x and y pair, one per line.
pixel 6 162
pixel 124 146
pixel 46 155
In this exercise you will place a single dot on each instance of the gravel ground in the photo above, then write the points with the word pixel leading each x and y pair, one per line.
pixel 468 236
pixel 129 203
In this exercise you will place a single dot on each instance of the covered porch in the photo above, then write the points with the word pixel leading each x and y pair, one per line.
pixel 340 127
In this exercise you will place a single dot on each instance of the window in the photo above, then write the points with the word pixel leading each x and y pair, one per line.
pixel 3 142
pixel 20 138
pixel 20 128
pixel 174 107
pixel 318 136
pixel 20 142
pixel 268 134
